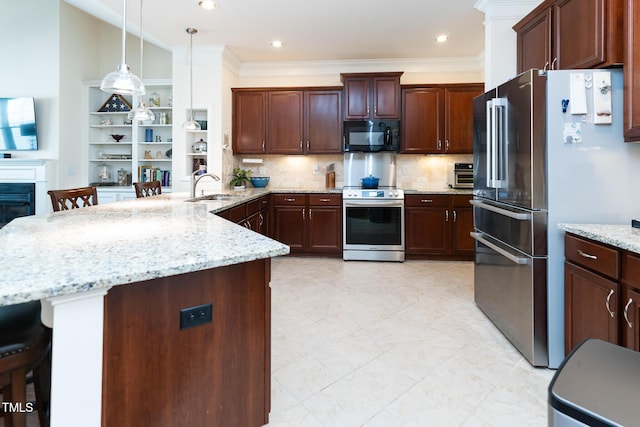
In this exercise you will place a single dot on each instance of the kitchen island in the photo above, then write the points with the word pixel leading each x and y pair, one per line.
pixel 114 279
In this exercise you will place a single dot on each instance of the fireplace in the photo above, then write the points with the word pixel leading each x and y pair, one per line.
pixel 16 200
pixel 23 188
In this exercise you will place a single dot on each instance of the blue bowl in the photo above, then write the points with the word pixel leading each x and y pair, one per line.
pixel 259 181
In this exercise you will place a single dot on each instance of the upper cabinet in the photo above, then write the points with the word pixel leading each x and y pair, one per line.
pixel 569 34
pixel 371 95
pixel 287 121
pixel 438 119
pixel 631 72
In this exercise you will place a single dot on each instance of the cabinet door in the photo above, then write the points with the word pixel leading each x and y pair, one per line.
pixel 630 318
pixel 588 33
pixel 591 307
pixel 284 122
pixel 462 213
pixel 323 122
pixel 458 117
pixel 421 120
pixel 324 229
pixel 533 41
pixel 288 224
pixel 631 71
pixel 249 123
pixel 427 231
pixel 386 97
pixel 356 98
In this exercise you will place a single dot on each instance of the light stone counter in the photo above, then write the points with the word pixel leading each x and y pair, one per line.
pixel 63 253
pixel 618 235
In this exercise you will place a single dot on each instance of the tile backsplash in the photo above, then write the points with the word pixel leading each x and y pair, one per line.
pixel 414 171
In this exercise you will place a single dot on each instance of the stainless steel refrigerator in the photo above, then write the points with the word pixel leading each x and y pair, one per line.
pixel 548 149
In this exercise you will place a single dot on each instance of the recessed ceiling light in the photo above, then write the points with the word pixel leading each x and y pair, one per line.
pixel 442 38
pixel 277 43
pixel 207 4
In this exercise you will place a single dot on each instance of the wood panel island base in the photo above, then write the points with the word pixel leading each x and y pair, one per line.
pixel 214 374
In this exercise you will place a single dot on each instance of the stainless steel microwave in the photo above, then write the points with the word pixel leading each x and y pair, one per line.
pixel 372 135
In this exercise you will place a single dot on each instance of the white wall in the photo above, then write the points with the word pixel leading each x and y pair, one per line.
pixel 31 65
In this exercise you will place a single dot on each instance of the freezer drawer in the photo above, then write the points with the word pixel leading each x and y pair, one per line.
pixel 523 229
pixel 510 288
pixel 597 385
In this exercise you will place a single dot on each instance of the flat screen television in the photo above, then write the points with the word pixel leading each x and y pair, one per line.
pixel 18 124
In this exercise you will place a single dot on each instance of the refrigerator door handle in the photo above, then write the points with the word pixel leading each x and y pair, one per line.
pixel 515 259
pixel 497 150
pixel 501 211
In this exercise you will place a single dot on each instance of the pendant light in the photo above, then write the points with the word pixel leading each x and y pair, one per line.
pixel 141 113
pixel 191 124
pixel 122 80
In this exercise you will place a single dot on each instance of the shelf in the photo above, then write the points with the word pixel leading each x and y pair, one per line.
pixel 197 154
pixel 101 125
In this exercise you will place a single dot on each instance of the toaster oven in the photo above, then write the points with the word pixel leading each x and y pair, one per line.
pixel 460 175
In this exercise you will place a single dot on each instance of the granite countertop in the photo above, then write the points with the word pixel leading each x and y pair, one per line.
pixel 618 235
pixel 119 243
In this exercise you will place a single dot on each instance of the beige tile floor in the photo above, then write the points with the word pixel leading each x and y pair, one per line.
pixel 392 344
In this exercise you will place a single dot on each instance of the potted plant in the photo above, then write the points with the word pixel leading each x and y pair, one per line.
pixel 240 178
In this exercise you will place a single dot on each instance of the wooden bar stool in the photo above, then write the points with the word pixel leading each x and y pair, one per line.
pixel 146 189
pixel 73 198
pixel 25 346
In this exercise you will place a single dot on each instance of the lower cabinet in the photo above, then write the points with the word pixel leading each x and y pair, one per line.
pixel 438 226
pixel 602 293
pixel 309 223
pixel 253 215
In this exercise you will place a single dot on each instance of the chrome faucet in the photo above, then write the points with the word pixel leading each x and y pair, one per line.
pixel 194 181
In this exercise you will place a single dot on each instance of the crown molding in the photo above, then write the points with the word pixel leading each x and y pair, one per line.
pixel 506 9
pixel 304 68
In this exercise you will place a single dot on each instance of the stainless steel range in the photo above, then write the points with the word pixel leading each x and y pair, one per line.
pixel 373 218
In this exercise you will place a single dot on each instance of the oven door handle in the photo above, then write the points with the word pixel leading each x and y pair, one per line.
pixel 373 203
pixel 516 259
pixel 501 211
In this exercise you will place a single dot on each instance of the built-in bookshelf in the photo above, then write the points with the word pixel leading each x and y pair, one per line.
pixel 121 151
pixel 195 159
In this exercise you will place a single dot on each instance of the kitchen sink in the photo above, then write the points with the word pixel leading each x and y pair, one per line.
pixel 215 197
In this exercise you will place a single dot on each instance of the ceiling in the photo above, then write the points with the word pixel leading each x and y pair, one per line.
pixel 310 31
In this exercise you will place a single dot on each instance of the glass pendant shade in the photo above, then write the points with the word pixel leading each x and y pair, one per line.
pixel 122 81
pixel 191 125
pixel 141 113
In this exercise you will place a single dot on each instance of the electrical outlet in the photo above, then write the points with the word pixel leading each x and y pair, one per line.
pixel 195 316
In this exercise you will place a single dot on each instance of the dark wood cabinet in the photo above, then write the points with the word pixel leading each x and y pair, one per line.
pixel 591 303
pixel 323 121
pixel 438 119
pixel 631 71
pixel 253 215
pixel 438 226
pixel 630 304
pixel 249 122
pixel 309 223
pixel 570 34
pixel 285 122
pixel 291 121
pixel 324 224
pixel 462 212
pixel 371 95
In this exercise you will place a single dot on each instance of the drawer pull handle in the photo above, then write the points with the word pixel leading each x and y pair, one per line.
pixel 427 200
pixel 626 313
pixel 608 299
pixel 290 200
pixel 586 255
pixel 325 200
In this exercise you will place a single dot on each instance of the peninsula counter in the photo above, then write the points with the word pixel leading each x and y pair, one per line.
pixel 113 280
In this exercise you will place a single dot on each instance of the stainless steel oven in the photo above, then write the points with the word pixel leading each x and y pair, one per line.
pixel 373 224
